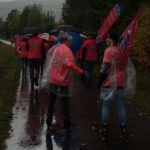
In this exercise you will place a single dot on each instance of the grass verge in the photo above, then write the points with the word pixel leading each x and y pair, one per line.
pixel 142 96
pixel 9 75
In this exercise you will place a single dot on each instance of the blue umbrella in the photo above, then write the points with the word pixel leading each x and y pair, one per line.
pixel 72 31
pixel 77 41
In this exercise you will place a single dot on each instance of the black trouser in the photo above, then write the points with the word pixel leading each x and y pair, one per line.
pixel 88 67
pixel 65 108
pixel 42 65
pixel 34 69
pixel 24 62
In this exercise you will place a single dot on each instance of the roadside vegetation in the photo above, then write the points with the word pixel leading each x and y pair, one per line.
pixel 142 96
pixel 9 78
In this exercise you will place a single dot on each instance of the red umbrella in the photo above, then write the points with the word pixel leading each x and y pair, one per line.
pixel 52 38
pixel 47 37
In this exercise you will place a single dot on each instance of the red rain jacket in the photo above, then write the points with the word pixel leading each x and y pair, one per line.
pixel 91 50
pixel 79 52
pixel 62 63
pixel 35 48
pixel 23 49
pixel 116 75
pixel 47 46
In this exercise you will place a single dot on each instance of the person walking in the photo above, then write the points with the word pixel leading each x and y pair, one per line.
pixel 23 55
pixel 47 46
pixel 112 85
pixel 36 53
pixel 89 58
pixel 62 63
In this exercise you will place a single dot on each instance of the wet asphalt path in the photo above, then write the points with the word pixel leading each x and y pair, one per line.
pixel 28 128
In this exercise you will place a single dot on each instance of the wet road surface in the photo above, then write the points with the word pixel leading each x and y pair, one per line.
pixel 28 128
pixel 29 131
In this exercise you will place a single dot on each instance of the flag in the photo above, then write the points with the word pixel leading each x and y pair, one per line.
pixel 112 17
pixel 128 36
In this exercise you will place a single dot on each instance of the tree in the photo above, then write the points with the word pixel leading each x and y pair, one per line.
pixel 35 16
pixel 13 21
pixel 141 48
pixel 90 14
pixel 74 13
pixel 48 21
pixel 24 17
pixel 31 16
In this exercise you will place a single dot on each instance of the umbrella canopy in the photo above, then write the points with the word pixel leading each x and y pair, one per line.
pixel 76 42
pixel 31 30
pixel 65 28
pixel 88 34
pixel 72 31
pixel 27 36
pixel 54 32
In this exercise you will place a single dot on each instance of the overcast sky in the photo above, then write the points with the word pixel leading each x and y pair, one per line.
pixel 6 0
pixel 7 5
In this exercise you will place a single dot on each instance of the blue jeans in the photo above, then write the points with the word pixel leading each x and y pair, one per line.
pixel 118 96
pixel 89 68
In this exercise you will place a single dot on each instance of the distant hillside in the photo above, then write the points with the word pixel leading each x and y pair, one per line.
pixel 54 5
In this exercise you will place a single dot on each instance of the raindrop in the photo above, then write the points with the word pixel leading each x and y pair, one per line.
pixel 11 130
pixel 93 128
pixel 83 144
pixel 129 102
pixel 98 102
pixel 132 135
pixel 24 108
pixel 17 108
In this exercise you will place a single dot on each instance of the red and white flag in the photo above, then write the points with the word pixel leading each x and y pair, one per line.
pixel 112 17
pixel 128 36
